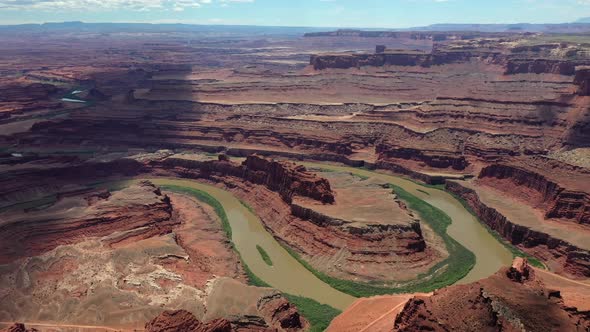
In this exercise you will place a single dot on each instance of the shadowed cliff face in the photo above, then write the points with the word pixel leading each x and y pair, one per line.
pixel 582 80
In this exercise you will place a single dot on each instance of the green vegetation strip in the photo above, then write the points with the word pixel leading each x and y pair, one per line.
pixel 248 207
pixel 319 315
pixel 264 255
pixel 206 198
pixel 516 252
pixel 423 191
pixel 445 273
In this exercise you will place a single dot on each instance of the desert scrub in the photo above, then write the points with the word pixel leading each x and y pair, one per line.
pixel 264 255
pixel 444 273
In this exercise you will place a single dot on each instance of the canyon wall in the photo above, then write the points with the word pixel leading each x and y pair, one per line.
pixel 363 251
pixel 77 215
pixel 27 92
pixel 582 80
pixel 574 260
pixel 513 63
pixel 286 178
pixel 18 98
pixel 540 66
pixel 344 61
pixel 437 159
pixel 558 202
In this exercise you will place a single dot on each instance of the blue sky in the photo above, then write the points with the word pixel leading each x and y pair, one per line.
pixel 328 13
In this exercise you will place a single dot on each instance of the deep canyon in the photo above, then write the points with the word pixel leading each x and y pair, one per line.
pixel 188 180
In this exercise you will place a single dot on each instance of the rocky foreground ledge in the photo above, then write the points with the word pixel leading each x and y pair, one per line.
pixel 511 300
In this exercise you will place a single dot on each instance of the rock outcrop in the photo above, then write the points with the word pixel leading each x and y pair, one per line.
pixel 286 178
pixel 497 303
pixel 279 312
pixel 520 270
pixel 18 327
pixel 74 216
pixel 540 66
pixel 421 59
pixel 436 159
pixel 182 320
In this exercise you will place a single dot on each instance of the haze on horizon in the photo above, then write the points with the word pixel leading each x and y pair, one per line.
pixel 313 13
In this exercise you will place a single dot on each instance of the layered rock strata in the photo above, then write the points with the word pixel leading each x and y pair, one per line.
pixel 92 214
pixel 367 250
pixel 182 320
pixel 574 260
pixel 345 61
pixel 288 179
pixel 558 202
pixel 343 249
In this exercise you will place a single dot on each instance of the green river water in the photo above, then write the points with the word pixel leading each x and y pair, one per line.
pixel 289 276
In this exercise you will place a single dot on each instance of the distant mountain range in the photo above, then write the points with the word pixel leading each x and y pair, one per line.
pixel 580 26
pixel 220 30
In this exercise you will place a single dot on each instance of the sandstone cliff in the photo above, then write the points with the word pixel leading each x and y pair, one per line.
pixel 182 320
pixel 559 202
pixel 409 58
pixel 574 260
pixel 286 178
pixel 539 66
pixel 437 159
pixel 77 215
pixel 356 251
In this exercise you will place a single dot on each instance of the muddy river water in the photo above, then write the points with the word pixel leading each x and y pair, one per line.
pixel 289 276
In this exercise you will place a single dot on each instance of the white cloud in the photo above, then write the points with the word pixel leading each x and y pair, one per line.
pixel 139 5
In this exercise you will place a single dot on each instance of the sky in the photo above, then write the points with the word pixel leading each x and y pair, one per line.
pixel 314 13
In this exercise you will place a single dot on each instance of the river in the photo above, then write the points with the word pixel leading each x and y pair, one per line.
pixel 289 276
